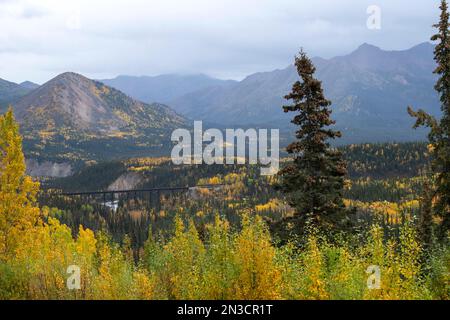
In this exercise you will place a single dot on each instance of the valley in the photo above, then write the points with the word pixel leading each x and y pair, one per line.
pixel 86 175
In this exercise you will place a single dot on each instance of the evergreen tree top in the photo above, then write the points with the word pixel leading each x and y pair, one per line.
pixel 309 101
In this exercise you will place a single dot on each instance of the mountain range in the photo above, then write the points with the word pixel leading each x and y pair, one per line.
pixel 72 118
pixel 163 88
pixel 11 92
pixel 73 102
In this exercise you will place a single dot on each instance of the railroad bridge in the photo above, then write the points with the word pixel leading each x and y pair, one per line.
pixel 110 198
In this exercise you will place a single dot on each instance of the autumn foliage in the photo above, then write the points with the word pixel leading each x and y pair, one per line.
pixel 221 263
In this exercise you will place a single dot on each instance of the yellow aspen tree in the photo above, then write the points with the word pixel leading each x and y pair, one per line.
pixel 185 254
pixel 314 282
pixel 18 212
pixel 220 274
pixel 259 275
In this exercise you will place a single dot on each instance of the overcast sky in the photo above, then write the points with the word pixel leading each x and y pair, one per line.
pixel 227 39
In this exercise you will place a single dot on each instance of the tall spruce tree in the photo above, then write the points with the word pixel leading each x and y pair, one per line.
pixel 314 181
pixel 425 230
pixel 439 135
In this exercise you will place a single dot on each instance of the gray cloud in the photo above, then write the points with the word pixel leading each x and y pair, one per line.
pixel 223 38
pixel 33 12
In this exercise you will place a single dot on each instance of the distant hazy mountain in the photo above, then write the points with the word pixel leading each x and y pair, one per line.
pixel 370 89
pixel 10 92
pixel 74 117
pixel 29 85
pixel 163 88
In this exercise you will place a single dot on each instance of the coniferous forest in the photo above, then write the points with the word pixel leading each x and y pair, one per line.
pixel 362 221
